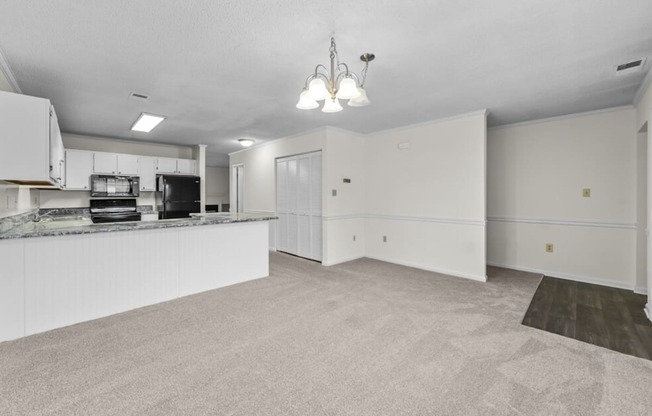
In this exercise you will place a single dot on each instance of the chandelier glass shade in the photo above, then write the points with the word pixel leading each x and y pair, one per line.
pixel 337 84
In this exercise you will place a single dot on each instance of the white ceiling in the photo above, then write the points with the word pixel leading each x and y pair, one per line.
pixel 220 70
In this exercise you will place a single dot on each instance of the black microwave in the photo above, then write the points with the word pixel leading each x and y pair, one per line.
pixel 113 186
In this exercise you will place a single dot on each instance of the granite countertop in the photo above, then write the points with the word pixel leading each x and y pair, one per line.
pixel 24 225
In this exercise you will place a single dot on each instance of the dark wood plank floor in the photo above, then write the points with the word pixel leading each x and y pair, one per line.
pixel 600 315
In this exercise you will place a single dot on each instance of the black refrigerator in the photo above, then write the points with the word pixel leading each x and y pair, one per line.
pixel 177 196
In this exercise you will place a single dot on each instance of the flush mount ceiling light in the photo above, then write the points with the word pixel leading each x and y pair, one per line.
pixel 246 142
pixel 333 86
pixel 147 122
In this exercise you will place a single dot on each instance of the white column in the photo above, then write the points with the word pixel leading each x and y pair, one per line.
pixel 199 154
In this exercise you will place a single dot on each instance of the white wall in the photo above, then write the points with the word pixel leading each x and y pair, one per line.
pixel 536 174
pixel 429 199
pixel 217 186
pixel 342 157
pixel 643 102
pixel 344 213
pixel 79 199
pixel 16 199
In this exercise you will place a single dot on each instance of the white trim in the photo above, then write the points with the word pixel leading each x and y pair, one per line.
pixel 572 223
pixel 259 211
pixel 462 221
pixel 477 278
pixel 566 276
pixel 647 81
pixel 343 217
pixel 340 261
pixel 282 139
pixel 648 311
pixel 483 112
pixel 640 290
pixel 563 117
pixel 8 74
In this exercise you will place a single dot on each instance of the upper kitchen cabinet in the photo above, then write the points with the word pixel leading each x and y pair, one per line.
pixel 115 164
pixel 31 147
pixel 79 168
pixel 180 166
pixel 147 173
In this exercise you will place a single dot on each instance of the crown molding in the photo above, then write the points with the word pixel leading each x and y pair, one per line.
pixel 564 117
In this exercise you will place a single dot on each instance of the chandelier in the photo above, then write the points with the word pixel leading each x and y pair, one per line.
pixel 332 86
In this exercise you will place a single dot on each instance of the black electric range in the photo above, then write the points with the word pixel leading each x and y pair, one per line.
pixel 114 210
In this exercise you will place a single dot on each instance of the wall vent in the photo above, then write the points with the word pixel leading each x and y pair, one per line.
pixel 632 67
pixel 137 96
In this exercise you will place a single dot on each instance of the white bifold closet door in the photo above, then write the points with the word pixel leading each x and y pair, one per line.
pixel 298 205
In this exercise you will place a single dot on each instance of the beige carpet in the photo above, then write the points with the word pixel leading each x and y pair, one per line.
pixel 362 338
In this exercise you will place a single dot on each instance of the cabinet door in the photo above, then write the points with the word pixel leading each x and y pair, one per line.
pixel 79 168
pixel 128 165
pixel 186 166
pixel 147 173
pixel 166 165
pixel 104 163
pixel 57 152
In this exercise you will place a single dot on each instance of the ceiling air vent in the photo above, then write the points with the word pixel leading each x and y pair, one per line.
pixel 138 97
pixel 630 67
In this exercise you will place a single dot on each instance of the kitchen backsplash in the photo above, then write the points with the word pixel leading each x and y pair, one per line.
pixel 16 199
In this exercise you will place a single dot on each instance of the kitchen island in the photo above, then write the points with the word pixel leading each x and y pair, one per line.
pixel 58 274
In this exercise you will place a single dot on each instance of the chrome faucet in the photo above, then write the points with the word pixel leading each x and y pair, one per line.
pixel 39 217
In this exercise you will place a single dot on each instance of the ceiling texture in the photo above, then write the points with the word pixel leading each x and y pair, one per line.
pixel 220 70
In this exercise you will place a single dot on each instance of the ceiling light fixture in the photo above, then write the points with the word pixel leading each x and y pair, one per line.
pixel 246 142
pixel 332 86
pixel 146 122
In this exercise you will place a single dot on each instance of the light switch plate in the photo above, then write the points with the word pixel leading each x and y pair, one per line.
pixel 334 192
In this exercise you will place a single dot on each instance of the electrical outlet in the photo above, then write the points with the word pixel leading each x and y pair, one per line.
pixel 384 239
pixel 334 192
pixel 549 248
pixel 586 192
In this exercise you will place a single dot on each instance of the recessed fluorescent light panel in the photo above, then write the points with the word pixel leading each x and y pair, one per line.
pixel 147 122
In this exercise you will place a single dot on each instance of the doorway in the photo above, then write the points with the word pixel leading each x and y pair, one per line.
pixel 237 188
pixel 299 205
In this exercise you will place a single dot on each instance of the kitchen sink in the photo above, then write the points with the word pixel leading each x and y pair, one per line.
pixel 53 223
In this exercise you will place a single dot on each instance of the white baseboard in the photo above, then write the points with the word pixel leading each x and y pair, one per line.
pixel 567 276
pixel 640 290
pixel 340 261
pixel 477 278
pixel 648 311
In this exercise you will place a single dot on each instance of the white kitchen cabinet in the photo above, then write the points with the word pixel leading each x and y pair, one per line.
pixel 79 168
pixel 57 152
pixel 180 166
pixel 166 165
pixel 147 173
pixel 186 166
pixel 115 164
pixel 128 165
pixel 104 163
pixel 30 149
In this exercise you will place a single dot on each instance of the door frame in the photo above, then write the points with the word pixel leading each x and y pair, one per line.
pixel 233 194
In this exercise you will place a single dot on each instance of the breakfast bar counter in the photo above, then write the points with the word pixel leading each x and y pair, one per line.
pixel 64 271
